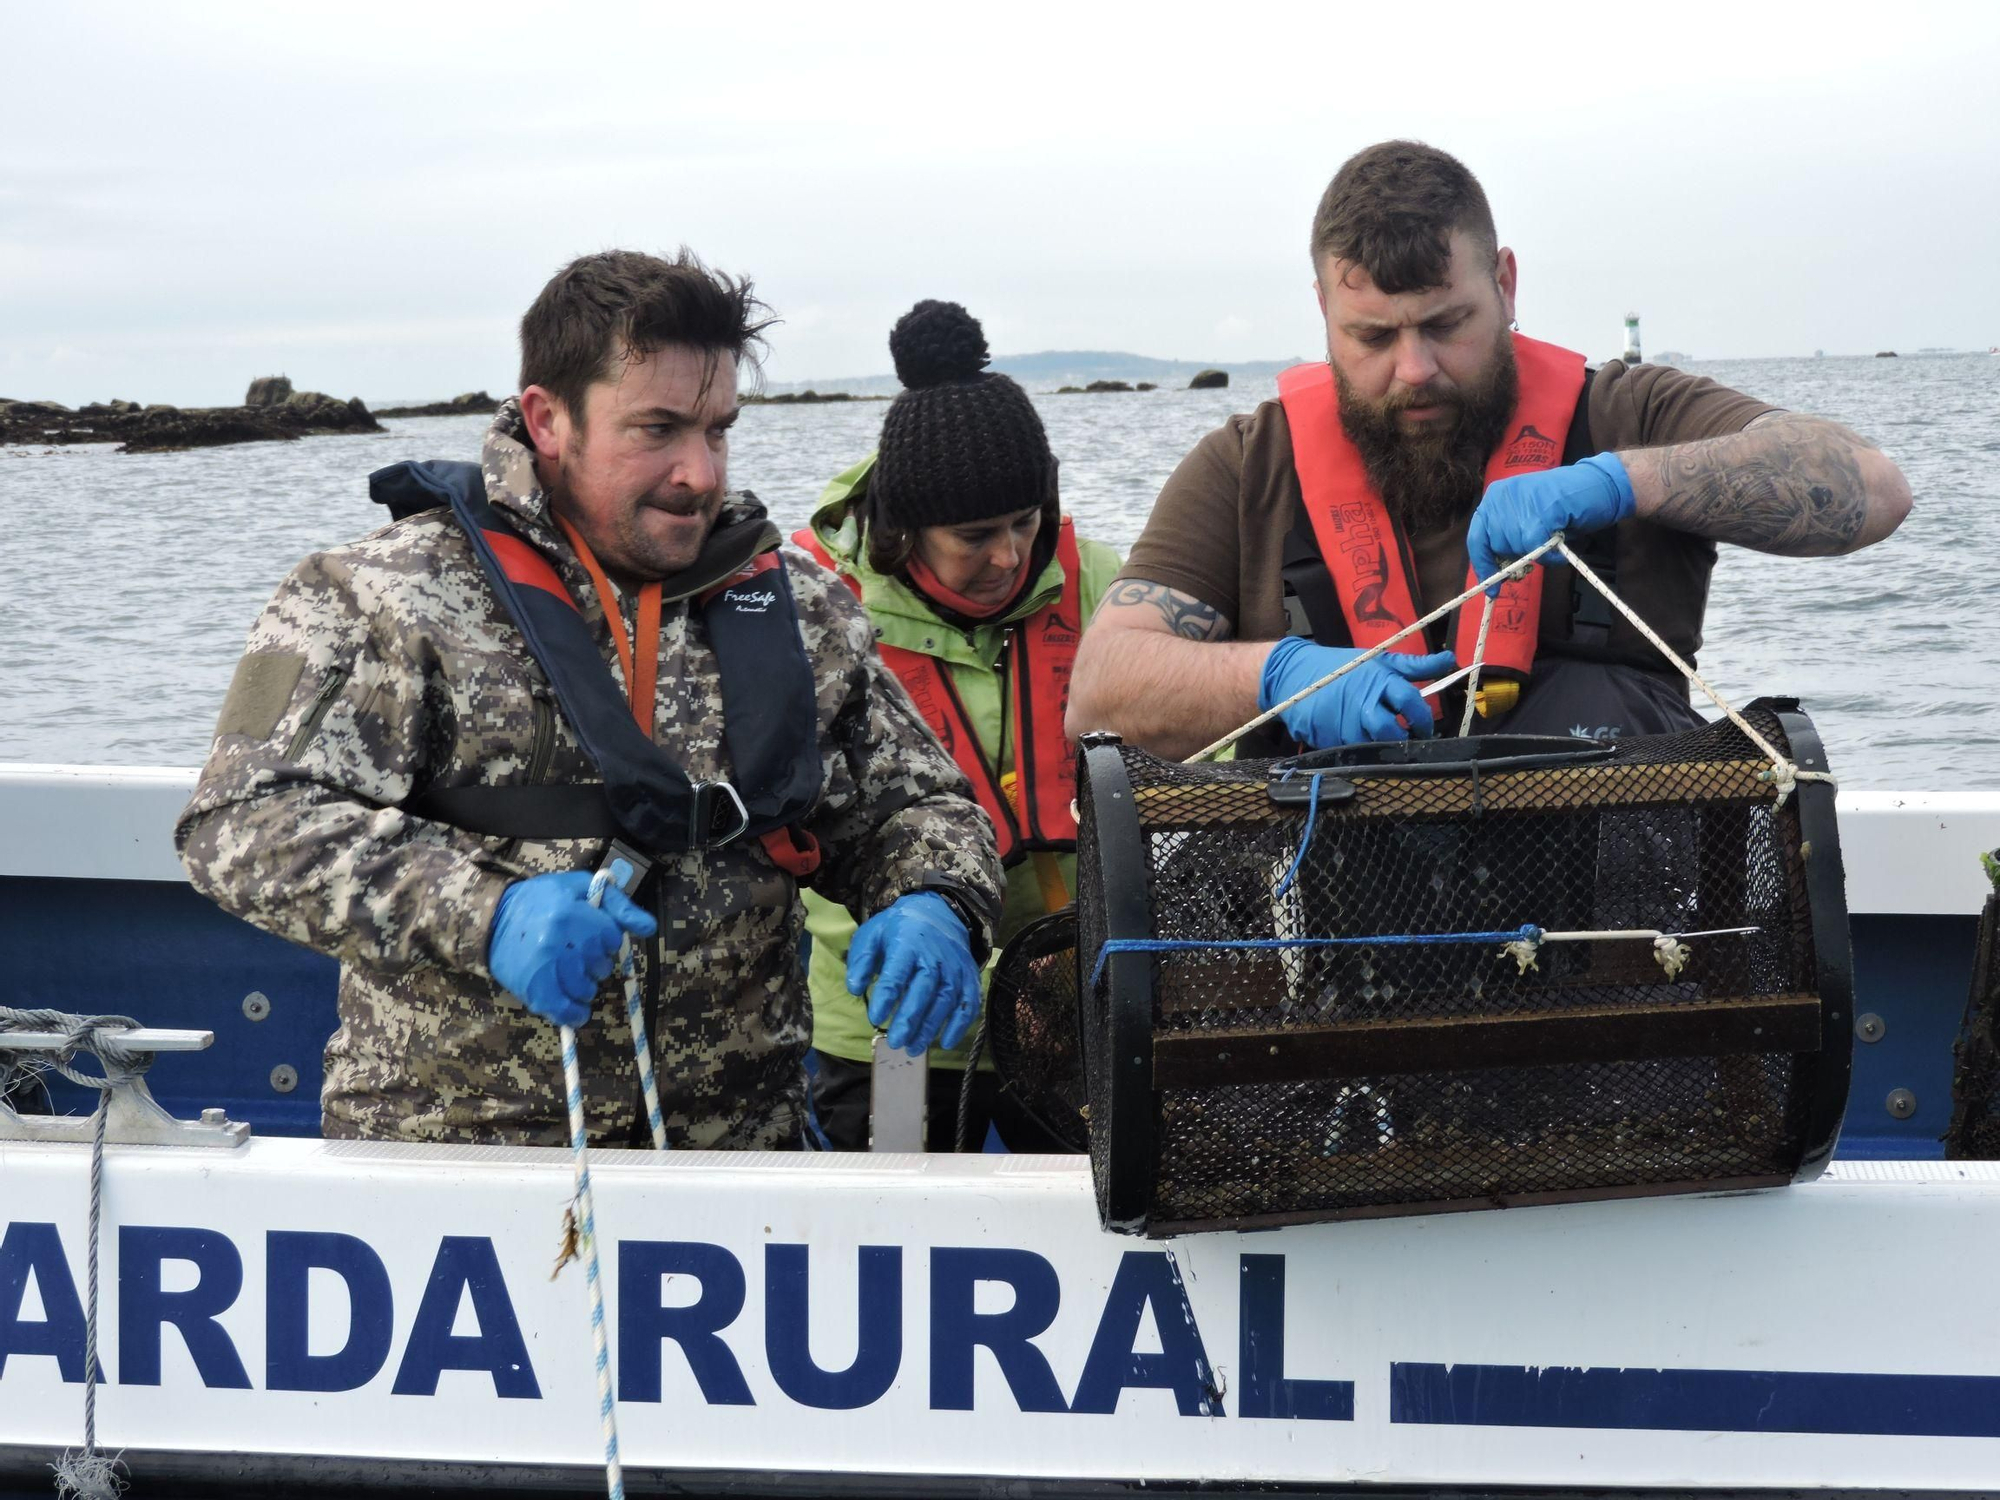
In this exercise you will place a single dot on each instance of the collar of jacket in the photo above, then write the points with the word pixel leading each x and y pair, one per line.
pixel 902 618
pixel 742 530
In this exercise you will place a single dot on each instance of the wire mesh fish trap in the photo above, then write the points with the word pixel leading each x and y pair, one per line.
pixel 1031 1027
pixel 1454 974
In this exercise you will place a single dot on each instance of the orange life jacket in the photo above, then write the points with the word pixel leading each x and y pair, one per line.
pixel 1042 649
pixel 1365 549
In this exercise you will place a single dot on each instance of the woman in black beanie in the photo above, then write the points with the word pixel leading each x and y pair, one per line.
pixel 954 538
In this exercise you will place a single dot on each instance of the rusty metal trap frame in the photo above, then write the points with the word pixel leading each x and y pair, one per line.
pixel 1441 975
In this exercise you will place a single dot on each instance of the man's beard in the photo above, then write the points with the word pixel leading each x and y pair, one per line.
pixel 622 545
pixel 1431 478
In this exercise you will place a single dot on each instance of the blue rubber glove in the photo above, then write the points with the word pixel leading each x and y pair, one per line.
pixel 1517 515
pixel 550 948
pixel 927 980
pixel 1362 705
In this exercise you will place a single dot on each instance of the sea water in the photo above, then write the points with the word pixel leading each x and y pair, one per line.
pixel 129 581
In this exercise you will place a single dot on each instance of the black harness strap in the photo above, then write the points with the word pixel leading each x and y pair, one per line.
pixel 1589 611
pixel 579 810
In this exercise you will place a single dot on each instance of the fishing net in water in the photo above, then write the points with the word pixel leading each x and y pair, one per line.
pixel 1974 1134
pixel 1452 974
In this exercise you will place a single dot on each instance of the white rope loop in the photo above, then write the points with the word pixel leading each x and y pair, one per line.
pixel 1515 569
pixel 1784 774
pixel 1478 663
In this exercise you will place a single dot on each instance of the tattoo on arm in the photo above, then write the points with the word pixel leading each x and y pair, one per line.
pixel 1786 484
pixel 1183 614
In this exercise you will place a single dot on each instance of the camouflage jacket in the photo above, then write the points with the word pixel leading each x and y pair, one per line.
pixel 388 668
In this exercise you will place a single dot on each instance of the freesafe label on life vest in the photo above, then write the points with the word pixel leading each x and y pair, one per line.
pixel 749 601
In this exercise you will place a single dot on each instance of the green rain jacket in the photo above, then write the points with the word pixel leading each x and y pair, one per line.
pixel 840 1020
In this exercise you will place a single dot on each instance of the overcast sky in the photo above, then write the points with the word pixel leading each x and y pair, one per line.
pixel 366 197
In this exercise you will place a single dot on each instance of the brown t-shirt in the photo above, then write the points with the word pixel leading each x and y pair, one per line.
pixel 1218 529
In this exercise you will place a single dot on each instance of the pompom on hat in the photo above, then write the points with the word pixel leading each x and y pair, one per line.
pixel 961 443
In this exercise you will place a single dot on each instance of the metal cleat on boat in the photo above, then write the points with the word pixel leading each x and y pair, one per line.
pixel 133 1117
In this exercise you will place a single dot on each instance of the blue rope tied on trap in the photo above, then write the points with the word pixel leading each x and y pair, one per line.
pixel 1306 838
pixel 1526 933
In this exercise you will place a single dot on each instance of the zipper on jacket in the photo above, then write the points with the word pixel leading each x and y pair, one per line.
pixel 541 751
pixel 544 747
pixel 329 689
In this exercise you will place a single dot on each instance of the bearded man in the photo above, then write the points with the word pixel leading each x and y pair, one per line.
pixel 586 654
pixel 1431 446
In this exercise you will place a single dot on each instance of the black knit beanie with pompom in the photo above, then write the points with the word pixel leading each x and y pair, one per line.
pixel 960 443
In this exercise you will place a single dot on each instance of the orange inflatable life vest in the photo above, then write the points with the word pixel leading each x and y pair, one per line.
pixel 1042 652
pixel 1365 549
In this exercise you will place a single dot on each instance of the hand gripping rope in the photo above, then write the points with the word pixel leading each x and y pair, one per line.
pixel 1670 949
pixel 1783 774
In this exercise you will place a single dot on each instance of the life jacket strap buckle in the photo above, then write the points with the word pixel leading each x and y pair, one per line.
pixel 719 814
pixel 636 864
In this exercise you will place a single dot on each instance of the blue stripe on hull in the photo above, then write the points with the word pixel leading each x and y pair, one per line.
pixel 1696 1400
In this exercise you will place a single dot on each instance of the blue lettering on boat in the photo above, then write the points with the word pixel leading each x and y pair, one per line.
pixel 466 1270
pixel 466 1264
pixel 289 1257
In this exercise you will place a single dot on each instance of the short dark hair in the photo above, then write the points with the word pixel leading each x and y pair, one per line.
pixel 624 304
pixel 1391 209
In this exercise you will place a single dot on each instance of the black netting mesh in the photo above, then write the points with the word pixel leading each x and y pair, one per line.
pixel 1031 1026
pixel 1305 1082
pixel 1091 1003
pixel 1974 1134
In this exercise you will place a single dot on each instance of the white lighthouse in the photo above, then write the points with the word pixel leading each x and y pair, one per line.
pixel 1631 356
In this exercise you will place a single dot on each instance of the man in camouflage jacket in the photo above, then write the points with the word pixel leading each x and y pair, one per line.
pixel 389 667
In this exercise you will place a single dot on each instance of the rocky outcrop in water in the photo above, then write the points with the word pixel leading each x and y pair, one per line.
pixel 1209 380
pixel 159 429
pixel 268 390
pixel 472 403
pixel 804 398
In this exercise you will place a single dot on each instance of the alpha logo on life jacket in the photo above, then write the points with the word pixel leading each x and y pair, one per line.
pixel 1042 652
pixel 1371 570
pixel 1531 450
pixel 1358 537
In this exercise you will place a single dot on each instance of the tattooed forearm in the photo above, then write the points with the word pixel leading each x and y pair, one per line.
pixel 1157 666
pixel 1182 614
pixel 1789 484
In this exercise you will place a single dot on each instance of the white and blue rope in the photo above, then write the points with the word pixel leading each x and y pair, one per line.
pixel 635 1016
pixel 586 1221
